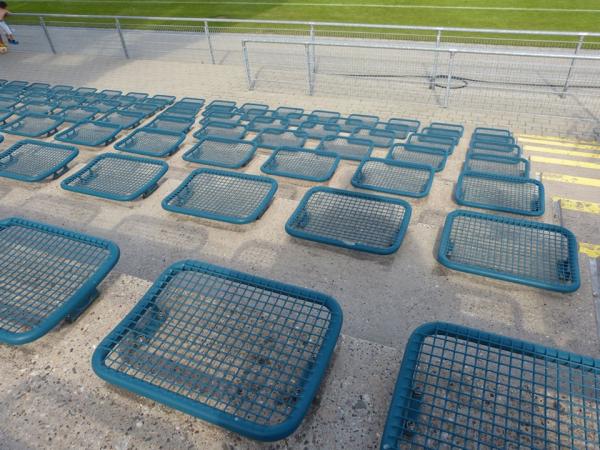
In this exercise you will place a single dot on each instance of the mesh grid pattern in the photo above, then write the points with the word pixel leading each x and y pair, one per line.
pixel 32 125
pixel 147 109
pixel 227 342
pixel 516 250
pixel 90 133
pixel 324 116
pixel 510 194
pixel 117 177
pixel 7 102
pixel 122 118
pixel 511 167
pixel 151 142
pixel 44 268
pixel 347 148
pixel 77 114
pixel 221 152
pixel 262 123
pixel 276 138
pixel 433 158
pixel 36 108
pixel 417 141
pixel 464 388
pixel 495 149
pixel 317 130
pixel 105 106
pixel 221 195
pixel 69 102
pixel 349 219
pixel 34 160
pixel 379 138
pixel 223 117
pixel 223 129
pixel 303 164
pixel 394 178
pixel 285 111
pixel 175 124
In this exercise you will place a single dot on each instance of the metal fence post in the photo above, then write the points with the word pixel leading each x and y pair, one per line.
pixel 247 66
pixel 209 41
pixel 313 54
pixel 436 57
pixel 309 69
pixel 572 65
pixel 450 68
pixel 50 43
pixel 118 26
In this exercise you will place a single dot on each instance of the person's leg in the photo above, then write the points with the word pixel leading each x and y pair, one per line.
pixel 9 34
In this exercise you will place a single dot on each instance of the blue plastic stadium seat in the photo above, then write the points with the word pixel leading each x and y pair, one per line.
pixel 464 388
pixel 500 193
pixel 117 177
pixel 90 133
pixel 347 147
pixel 33 125
pixel 32 161
pixel 222 152
pixel 303 164
pixel 273 139
pixel 512 167
pixel 352 220
pixel 394 177
pixel 222 195
pixel 151 142
pixel 221 129
pixel 432 157
pixel 531 253
pixel 279 341
pixel 49 274
pixel 126 119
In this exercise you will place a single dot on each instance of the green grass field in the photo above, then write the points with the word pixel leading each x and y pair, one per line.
pixel 558 15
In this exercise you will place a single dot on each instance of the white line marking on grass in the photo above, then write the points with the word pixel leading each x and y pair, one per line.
pixel 336 5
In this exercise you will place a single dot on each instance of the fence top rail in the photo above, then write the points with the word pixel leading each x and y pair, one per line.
pixel 328 43
pixel 314 24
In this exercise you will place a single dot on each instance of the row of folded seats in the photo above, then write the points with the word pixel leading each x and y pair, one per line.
pixel 262 387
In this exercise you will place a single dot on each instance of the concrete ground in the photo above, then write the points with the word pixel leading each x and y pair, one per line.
pixel 51 399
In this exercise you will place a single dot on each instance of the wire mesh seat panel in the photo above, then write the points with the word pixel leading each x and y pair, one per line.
pixel 460 387
pixel 151 142
pixel 347 148
pixel 422 141
pixel 48 274
pixel 79 114
pixel 31 160
pixel 117 177
pixel 434 158
pixel 223 129
pixel 379 138
pixel 272 139
pixel 512 167
pixel 242 352
pixel 221 195
pixel 262 123
pixel 495 149
pixel 126 119
pixel 352 220
pixel 302 164
pixel 393 177
pixel 33 125
pixel 231 153
pixel 91 133
pixel 499 193
pixel 318 130
pixel 532 253
pixel 171 123
pixel 36 108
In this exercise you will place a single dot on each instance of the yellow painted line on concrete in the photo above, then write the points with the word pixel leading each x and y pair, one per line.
pixel 578 205
pixel 555 139
pixel 566 162
pixel 554 151
pixel 574 145
pixel 591 250
pixel 548 176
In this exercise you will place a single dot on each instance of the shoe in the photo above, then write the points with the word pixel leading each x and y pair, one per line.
pixel 13 42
